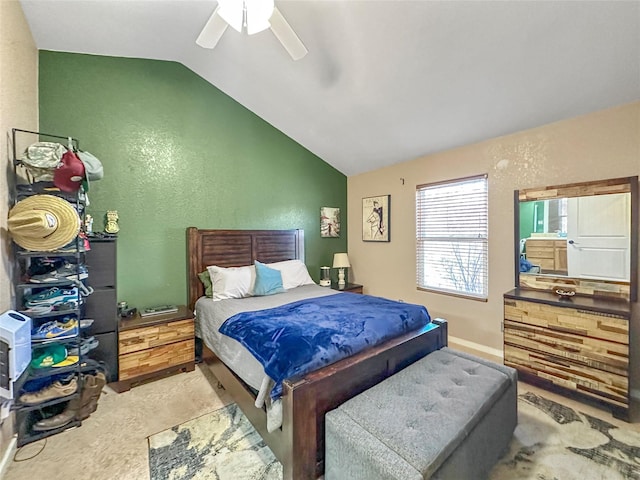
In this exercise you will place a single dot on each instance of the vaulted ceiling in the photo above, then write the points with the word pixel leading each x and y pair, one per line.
pixel 384 80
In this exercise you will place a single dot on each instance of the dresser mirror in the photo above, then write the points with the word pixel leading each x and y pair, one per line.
pixel 582 237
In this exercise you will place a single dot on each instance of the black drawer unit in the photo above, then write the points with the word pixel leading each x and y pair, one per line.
pixel 102 304
pixel 107 352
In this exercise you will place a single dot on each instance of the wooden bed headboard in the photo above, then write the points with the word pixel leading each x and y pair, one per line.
pixel 236 248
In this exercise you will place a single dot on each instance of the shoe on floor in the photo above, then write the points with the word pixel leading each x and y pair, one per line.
pixel 55 390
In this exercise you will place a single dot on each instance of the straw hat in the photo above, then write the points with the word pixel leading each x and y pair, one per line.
pixel 43 223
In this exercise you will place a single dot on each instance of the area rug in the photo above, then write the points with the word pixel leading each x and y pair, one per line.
pixel 551 442
pixel 220 445
pixel 555 442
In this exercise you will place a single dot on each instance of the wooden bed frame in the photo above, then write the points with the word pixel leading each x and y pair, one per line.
pixel 299 443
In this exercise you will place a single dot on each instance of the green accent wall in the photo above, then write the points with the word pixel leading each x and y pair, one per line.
pixel 178 152
pixel 526 219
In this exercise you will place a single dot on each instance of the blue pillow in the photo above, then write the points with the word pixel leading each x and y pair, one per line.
pixel 268 281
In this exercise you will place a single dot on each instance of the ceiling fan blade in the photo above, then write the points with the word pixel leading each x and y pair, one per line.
pixel 283 31
pixel 212 31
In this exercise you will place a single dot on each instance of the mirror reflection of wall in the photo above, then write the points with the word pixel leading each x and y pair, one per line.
pixel 543 216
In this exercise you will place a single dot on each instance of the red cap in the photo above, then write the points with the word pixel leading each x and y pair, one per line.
pixel 70 173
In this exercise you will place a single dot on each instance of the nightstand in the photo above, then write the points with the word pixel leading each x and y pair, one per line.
pixel 154 346
pixel 349 287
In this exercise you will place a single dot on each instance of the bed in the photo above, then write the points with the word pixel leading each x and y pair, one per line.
pixel 299 442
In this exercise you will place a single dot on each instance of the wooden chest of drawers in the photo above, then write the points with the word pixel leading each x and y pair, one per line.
pixel 580 349
pixel 550 255
pixel 154 346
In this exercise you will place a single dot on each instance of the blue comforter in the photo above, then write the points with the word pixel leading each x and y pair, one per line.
pixel 303 336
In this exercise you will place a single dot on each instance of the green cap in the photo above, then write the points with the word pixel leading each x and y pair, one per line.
pixel 48 356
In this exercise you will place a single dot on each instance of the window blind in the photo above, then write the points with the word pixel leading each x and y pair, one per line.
pixel 452 237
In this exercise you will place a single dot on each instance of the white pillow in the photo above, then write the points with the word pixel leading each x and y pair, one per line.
pixel 294 273
pixel 232 282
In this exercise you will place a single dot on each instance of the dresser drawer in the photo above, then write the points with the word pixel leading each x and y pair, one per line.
pixel 101 262
pixel 154 336
pixel 543 263
pixel 589 352
pixel 589 381
pixel 540 252
pixel 102 306
pixel 152 360
pixel 568 320
pixel 580 350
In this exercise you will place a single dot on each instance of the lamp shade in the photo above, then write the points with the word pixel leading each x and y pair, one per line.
pixel 341 260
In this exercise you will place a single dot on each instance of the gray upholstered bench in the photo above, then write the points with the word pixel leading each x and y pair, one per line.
pixel 450 415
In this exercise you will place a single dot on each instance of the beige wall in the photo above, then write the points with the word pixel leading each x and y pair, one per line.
pixel 600 145
pixel 18 108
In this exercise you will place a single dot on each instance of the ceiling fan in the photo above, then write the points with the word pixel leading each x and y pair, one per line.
pixel 255 16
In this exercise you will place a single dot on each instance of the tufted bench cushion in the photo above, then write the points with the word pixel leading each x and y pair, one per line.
pixel 448 415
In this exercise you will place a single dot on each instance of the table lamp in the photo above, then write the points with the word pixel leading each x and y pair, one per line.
pixel 341 261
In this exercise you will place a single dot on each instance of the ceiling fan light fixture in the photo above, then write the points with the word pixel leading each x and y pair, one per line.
pixel 252 14
pixel 232 12
pixel 258 13
pixel 255 16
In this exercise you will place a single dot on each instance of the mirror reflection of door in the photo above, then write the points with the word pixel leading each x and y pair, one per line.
pixel 598 237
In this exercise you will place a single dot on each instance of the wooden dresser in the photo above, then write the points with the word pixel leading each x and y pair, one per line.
pixel 580 345
pixel 154 346
pixel 549 254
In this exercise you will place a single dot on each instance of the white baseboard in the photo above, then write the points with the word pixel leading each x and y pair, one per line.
pixel 8 455
pixel 477 349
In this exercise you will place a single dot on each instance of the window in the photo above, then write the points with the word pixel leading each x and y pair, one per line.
pixel 452 237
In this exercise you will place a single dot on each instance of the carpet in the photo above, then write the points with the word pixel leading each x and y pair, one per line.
pixel 551 442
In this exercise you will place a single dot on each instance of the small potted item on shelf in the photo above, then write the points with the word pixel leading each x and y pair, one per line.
pixel 111 224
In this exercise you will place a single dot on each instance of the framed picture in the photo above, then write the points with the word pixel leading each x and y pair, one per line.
pixel 375 219
pixel 329 222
